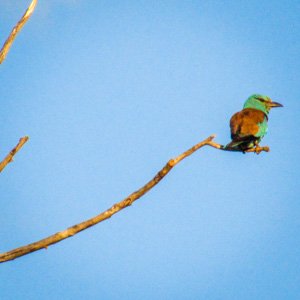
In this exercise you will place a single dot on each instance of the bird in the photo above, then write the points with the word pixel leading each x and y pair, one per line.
pixel 250 125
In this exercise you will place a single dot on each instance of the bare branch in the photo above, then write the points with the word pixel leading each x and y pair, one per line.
pixel 12 153
pixel 16 30
pixel 59 236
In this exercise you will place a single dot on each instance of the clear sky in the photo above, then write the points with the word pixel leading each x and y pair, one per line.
pixel 108 91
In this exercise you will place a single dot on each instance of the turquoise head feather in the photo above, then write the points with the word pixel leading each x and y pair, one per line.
pixel 261 102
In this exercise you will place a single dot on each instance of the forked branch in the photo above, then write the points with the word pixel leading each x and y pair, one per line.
pixel 16 30
pixel 59 236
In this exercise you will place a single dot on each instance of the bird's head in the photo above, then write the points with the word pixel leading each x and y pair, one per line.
pixel 261 102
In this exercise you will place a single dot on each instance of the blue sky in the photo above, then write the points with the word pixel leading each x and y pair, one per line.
pixel 108 91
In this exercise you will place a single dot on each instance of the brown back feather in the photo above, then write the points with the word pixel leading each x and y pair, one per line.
pixel 245 123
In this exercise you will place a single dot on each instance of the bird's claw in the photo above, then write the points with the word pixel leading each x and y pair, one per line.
pixel 257 150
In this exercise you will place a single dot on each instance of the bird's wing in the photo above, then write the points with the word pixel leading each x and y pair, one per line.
pixel 245 123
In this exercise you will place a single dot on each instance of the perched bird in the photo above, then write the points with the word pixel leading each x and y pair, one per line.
pixel 249 125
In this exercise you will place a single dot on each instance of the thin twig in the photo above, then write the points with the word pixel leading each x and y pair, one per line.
pixel 16 30
pixel 59 236
pixel 12 153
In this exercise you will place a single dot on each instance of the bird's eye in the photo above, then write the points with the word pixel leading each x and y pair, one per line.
pixel 261 99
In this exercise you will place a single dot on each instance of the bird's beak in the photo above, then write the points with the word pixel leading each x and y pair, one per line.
pixel 274 104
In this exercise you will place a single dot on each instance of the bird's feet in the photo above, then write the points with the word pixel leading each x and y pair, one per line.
pixel 257 149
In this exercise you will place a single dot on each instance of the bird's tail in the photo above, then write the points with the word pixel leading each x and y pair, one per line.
pixel 234 145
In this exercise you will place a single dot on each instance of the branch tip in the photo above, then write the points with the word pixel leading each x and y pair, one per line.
pixel 9 157
pixel 211 137
pixel 9 41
